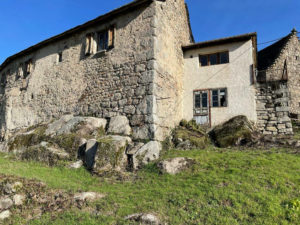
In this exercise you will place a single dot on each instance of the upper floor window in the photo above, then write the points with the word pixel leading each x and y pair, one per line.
pixel 3 79
pixel 214 59
pixel 106 39
pixel 27 68
pixel 102 40
pixel 60 57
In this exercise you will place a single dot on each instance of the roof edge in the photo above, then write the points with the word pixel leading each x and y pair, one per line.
pixel 69 32
pixel 237 38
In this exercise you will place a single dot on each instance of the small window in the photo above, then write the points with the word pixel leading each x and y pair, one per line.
pixel 28 68
pixel 219 97
pixel 297 57
pixel 3 79
pixel 203 60
pixel 60 57
pixel 106 39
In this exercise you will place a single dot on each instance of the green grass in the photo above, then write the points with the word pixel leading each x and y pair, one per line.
pixel 224 187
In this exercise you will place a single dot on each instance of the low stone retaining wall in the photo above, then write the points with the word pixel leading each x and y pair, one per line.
pixel 272 100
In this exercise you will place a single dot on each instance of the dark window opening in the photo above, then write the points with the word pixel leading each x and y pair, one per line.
pixel 28 68
pixel 3 79
pixel 60 57
pixel 102 41
pixel 204 100
pixel 224 57
pixel 203 60
pixel 213 59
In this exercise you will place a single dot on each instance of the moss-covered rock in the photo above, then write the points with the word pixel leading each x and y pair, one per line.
pixel 42 153
pixel 111 153
pixel 235 132
pixel 190 135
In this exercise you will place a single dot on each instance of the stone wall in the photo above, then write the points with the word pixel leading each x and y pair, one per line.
pixel 272 100
pixel 294 74
pixel 172 32
pixel 287 67
pixel 114 82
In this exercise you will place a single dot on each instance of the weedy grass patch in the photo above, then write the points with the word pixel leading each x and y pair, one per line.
pixel 225 186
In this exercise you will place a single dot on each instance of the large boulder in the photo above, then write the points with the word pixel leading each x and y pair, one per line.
pixel 44 152
pixel 111 153
pixel 175 165
pixel 189 135
pixel 119 125
pixel 145 154
pixel 235 132
pixel 64 125
pixel 82 125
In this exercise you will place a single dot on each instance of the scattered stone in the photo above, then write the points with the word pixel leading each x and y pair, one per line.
pixel 18 199
pixel 144 218
pixel 76 165
pixel 175 165
pixel 5 203
pixel 5 214
pixel 88 196
pixel 147 153
pixel 119 125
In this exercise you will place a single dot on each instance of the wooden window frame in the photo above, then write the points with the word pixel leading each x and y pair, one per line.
pixel 89 39
pixel 219 97
pixel 218 54
pixel 110 38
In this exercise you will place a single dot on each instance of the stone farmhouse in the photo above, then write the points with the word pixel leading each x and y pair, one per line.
pixel 141 61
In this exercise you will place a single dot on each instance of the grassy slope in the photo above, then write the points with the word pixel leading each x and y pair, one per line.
pixel 225 187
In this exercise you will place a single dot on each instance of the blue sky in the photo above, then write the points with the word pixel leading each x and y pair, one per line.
pixel 25 23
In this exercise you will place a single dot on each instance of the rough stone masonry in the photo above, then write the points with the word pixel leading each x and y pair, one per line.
pixel 69 74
